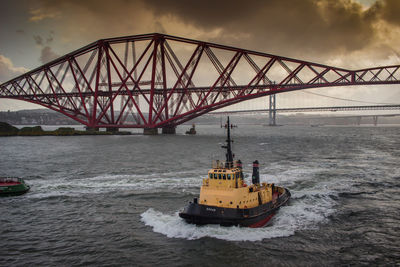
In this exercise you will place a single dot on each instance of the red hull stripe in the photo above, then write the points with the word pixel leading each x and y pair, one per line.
pixel 262 222
pixel 9 183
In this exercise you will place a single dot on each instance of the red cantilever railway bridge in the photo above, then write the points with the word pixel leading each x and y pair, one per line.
pixel 160 81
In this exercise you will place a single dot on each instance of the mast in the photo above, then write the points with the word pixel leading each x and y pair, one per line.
pixel 229 156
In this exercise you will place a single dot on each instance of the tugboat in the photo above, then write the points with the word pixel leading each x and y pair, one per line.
pixel 226 200
pixel 10 186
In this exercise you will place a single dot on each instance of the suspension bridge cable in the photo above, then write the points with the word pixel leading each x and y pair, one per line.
pixel 350 100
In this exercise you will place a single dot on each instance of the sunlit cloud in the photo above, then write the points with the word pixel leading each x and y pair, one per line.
pixel 8 70
pixel 39 14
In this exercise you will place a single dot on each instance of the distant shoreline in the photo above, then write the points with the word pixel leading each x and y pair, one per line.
pixel 9 130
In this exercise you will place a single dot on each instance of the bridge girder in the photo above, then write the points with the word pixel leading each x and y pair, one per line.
pixel 157 80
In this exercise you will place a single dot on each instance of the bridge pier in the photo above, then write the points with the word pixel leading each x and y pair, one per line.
pixel 112 129
pixel 169 130
pixel 92 129
pixel 150 131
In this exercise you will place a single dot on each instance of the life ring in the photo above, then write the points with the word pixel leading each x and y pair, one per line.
pixel 244 185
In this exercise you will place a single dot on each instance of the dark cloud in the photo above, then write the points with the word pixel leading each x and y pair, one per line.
pixel 47 55
pixel 38 40
pixel 387 10
pixel 49 39
pixel 317 30
pixel 81 22
pixel 160 28
pixel 289 26
pixel 208 13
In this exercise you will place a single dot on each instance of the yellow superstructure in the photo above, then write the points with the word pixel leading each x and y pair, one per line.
pixel 224 187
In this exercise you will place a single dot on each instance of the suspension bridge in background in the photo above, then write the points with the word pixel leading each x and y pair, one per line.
pixel 156 81
pixel 273 110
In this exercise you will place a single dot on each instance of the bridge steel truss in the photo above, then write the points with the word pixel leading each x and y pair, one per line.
pixel 160 81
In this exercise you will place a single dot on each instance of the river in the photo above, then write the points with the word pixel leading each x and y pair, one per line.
pixel 114 200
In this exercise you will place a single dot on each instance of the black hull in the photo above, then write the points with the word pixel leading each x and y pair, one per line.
pixel 254 217
pixel 14 193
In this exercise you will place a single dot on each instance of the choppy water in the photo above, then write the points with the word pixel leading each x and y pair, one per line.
pixel 113 200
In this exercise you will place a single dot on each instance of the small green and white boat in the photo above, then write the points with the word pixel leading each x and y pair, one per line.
pixel 12 186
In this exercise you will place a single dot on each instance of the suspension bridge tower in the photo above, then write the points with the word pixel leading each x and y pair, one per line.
pixel 272 110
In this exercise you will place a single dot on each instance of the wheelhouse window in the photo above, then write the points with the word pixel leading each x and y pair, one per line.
pixel 210 175
pixel 224 176
pixel 215 176
pixel 229 176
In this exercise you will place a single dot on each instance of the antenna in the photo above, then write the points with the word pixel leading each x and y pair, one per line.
pixel 229 156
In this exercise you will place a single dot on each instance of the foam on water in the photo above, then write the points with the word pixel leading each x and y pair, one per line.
pixel 263 144
pixel 174 227
pixel 303 213
pixel 307 208
pixel 66 186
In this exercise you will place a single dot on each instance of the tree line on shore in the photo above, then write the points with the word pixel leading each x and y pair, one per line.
pixel 9 130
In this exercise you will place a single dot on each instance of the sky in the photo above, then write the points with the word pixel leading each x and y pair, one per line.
pixel 351 34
